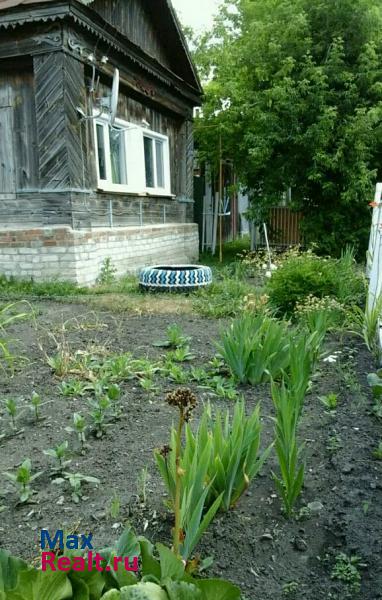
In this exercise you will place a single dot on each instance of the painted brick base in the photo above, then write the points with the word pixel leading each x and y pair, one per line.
pixel 76 255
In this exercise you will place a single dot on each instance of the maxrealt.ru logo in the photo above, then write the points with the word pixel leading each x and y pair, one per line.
pixel 89 561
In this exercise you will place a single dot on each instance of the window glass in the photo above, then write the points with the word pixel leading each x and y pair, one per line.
pixel 160 163
pixel 117 156
pixel 101 151
pixel 149 162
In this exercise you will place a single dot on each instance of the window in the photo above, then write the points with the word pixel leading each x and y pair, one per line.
pixel 131 159
pixel 154 162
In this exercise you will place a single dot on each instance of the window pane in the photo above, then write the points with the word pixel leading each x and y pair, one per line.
pixel 101 151
pixel 117 156
pixel 160 163
pixel 149 162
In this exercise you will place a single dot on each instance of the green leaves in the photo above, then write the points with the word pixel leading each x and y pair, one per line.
pixel 218 463
pixel 36 585
pixel 288 410
pixel 255 348
pixel 22 479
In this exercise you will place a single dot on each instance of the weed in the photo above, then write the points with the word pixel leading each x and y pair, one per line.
pixel 199 375
pixel 98 415
pixel 59 453
pixel 12 409
pixel 175 338
pixel 334 443
pixel 36 404
pixel 75 481
pixel 148 385
pixel 74 388
pixel 346 569
pixel 142 481
pixel 176 374
pixel 330 401
pixel 114 506
pixel 79 428
pixel 377 453
pixel 22 479
pixel 182 354
pixel 114 394
pixel 291 588
pixel 221 387
pixel 107 274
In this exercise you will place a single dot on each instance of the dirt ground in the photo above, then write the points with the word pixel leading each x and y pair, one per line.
pixel 253 545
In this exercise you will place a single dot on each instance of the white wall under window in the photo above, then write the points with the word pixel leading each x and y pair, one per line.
pixel 131 159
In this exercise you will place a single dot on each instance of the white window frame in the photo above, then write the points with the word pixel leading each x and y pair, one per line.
pixel 135 159
pixel 153 136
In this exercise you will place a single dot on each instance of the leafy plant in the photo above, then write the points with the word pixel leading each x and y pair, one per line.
pixel 175 373
pixel 163 577
pixel 36 404
pixel 114 508
pixel 108 272
pixel 148 385
pixel 79 427
pixel 59 453
pixel 221 387
pixel 12 409
pixel 114 394
pixel 76 480
pixel 181 354
pixel 366 324
pixel 74 388
pixel 186 482
pixel 377 453
pixel 175 338
pixel 330 401
pixel 22 479
pixel 98 414
pixel 375 382
pixel 232 461
pixel 288 409
pixel 255 348
pixel 346 569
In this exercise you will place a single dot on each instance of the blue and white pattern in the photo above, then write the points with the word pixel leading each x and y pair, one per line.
pixel 175 277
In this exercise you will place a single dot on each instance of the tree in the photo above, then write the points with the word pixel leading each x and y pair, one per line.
pixel 304 85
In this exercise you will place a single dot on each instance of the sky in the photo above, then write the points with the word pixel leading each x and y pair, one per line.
pixel 197 14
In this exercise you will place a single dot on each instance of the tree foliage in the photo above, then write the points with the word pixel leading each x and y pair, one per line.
pixel 304 85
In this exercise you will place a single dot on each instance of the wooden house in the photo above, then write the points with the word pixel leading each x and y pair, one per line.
pixel 77 186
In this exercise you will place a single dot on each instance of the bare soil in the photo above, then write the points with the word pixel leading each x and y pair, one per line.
pixel 253 545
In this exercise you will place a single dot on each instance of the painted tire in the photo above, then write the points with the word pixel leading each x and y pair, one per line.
pixel 177 278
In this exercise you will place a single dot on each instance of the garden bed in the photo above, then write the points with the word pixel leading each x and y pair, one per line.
pixel 253 545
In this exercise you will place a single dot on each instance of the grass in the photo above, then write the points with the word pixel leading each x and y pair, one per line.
pixel 123 294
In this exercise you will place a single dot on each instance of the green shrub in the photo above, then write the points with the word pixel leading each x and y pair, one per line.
pixel 306 274
pixel 222 298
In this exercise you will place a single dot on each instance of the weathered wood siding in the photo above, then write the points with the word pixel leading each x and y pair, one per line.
pixel 133 19
pixel 59 84
pixel 19 164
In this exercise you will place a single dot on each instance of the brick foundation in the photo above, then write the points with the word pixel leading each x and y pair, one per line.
pixel 77 255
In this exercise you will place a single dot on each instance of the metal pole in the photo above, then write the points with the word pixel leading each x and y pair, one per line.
pixel 221 202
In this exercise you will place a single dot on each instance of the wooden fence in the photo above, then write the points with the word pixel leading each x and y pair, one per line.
pixel 284 227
